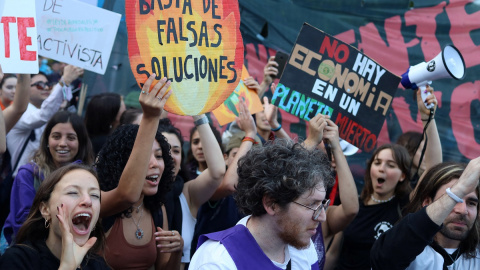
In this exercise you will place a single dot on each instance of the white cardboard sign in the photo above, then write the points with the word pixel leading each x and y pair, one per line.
pixel 76 33
pixel 18 47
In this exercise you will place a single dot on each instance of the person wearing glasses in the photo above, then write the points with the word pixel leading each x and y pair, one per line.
pixel 24 138
pixel 281 188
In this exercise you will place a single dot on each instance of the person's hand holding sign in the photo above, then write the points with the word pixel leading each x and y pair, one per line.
pixel 316 127
pixel 330 135
pixel 251 83
pixel 153 101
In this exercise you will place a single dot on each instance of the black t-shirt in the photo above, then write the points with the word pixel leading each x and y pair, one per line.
pixel 370 222
pixel 37 256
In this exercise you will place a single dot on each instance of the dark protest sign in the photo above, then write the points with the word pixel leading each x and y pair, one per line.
pixel 195 44
pixel 325 75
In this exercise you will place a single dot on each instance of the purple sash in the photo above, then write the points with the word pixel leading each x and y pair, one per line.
pixel 242 247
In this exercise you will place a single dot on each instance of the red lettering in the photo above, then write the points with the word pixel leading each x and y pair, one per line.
pixel 347 36
pixel 352 128
pixel 342 58
pixel 425 24
pixel 370 143
pixel 24 40
pixel 373 45
pixel 6 33
pixel 467 25
pixel 330 47
pixel 463 130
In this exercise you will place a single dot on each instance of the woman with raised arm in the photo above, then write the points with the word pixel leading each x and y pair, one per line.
pixel 385 194
pixel 136 171
pixel 207 153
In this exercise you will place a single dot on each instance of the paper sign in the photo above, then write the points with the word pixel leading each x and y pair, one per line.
pixel 18 49
pixel 195 44
pixel 226 112
pixel 76 33
pixel 325 75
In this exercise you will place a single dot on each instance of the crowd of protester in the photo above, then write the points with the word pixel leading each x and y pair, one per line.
pixel 120 188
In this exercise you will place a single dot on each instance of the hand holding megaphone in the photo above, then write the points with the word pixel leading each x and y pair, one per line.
pixel 448 63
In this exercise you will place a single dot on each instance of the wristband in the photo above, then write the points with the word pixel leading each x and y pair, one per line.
pixel 201 121
pixel 277 129
pixel 427 119
pixel 453 196
pixel 249 139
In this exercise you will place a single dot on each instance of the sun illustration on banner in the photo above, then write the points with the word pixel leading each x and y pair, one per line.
pixel 195 44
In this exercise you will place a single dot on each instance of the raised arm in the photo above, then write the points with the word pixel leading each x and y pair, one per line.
pixel 53 102
pixel 130 186
pixel 271 113
pixel 199 191
pixel 20 101
pixel 316 125
pixel 247 124
pixel 3 134
pixel 339 216
pixel 433 152
pixel 417 230
pixel 270 71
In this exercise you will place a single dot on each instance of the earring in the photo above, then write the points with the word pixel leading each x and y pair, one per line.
pixel 47 223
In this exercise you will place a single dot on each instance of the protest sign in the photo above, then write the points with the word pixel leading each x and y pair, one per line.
pixel 76 33
pixel 18 49
pixel 226 112
pixel 325 75
pixel 195 44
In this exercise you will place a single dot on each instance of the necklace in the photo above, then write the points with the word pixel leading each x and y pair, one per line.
pixel 139 231
pixel 382 201
pixel 454 261
pixel 137 208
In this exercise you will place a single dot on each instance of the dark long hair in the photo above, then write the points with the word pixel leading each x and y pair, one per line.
pixel 401 157
pixel 113 158
pixel 43 158
pixel 439 175
pixel 101 112
pixel 33 229
pixel 165 125
pixel 192 163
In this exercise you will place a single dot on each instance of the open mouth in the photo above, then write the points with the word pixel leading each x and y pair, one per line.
pixel 62 152
pixel 81 222
pixel 381 180
pixel 153 178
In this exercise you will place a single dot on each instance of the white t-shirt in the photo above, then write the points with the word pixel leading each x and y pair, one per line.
pixel 429 259
pixel 188 227
pixel 212 255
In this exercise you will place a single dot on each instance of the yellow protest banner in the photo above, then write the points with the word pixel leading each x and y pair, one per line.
pixel 195 44
pixel 226 112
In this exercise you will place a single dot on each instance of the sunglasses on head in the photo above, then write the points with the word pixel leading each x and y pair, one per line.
pixel 41 85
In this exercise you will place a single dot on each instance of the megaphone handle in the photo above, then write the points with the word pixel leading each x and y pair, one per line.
pixel 424 93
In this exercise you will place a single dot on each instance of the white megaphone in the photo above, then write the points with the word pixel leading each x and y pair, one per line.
pixel 448 63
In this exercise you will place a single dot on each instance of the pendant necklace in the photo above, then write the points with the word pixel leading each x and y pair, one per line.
pixel 382 201
pixel 137 208
pixel 139 231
